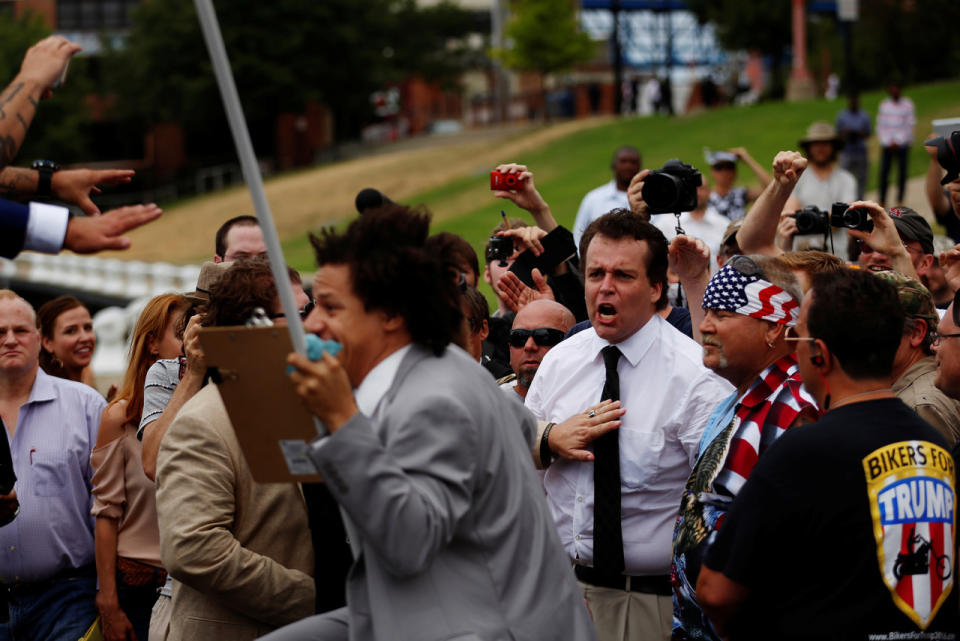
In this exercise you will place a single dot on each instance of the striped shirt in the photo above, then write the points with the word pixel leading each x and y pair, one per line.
pixel 162 380
pixel 895 120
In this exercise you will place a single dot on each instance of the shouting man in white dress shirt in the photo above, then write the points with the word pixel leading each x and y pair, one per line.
pixel 615 507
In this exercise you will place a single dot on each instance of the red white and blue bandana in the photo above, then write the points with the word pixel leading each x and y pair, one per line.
pixel 729 290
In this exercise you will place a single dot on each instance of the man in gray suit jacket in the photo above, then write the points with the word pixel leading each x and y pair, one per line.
pixel 427 457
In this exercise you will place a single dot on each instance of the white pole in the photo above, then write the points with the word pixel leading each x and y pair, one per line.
pixel 251 174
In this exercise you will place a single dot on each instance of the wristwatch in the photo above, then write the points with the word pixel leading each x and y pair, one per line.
pixel 45 169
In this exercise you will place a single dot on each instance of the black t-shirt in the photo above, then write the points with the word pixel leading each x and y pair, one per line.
pixel 871 483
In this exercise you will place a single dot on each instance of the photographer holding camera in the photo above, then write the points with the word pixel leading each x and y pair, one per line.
pixel 824 182
pixel 678 188
pixel 560 281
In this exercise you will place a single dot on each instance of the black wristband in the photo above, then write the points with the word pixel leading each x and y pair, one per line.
pixel 45 169
pixel 546 456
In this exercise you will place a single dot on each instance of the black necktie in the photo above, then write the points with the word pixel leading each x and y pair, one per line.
pixel 607 535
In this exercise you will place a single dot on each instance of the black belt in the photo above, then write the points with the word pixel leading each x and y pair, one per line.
pixel 23 589
pixel 647 584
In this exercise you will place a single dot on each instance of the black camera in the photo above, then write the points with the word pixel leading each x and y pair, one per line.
pixel 948 155
pixel 499 248
pixel 813 220
pixel 672 189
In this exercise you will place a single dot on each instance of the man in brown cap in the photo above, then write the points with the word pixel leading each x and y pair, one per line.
pixel 914 367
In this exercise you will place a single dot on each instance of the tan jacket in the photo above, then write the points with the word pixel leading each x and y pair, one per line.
pixel 915 388
pixel 240 551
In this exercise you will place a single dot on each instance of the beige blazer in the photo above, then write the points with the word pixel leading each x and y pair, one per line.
pixel 240 551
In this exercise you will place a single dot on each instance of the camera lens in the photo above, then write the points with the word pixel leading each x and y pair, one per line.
pixel 856 218
pixel 661 191
pixel 811 220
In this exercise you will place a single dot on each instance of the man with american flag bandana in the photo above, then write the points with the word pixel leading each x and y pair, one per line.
pixel 845 527
pixel 748 305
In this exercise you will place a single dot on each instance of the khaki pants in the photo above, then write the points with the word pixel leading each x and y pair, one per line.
pixel 160 618
pixel 619 615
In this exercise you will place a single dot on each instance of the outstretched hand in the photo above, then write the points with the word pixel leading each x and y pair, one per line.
pixel 87 235
pixel 529 237
pixel 76 185
pixel 570 438
pixel 515 293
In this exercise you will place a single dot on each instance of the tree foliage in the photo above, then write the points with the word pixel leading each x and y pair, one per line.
pixel 910 41
pixel 544 36
pixel 283 54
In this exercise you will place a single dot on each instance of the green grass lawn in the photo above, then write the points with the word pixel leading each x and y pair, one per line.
pixel 568 168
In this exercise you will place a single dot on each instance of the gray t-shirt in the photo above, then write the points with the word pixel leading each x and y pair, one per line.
pixel 162 379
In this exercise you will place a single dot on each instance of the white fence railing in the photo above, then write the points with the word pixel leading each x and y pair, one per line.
pixel 134 280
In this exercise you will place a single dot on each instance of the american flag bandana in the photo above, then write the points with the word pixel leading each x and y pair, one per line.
pixel 729 290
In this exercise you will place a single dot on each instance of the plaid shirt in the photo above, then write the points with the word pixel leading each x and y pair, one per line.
pixel 728 453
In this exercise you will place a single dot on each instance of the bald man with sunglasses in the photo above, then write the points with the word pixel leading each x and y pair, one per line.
pixel 538 327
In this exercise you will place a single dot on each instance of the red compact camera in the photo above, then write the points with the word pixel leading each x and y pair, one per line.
pixel 503 181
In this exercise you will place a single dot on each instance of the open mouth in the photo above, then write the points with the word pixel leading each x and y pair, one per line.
pixel 606 312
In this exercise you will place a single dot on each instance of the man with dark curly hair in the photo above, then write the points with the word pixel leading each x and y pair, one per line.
pixel 427 459
pixel 225 539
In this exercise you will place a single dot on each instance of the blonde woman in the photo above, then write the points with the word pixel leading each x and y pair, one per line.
pixel 127 538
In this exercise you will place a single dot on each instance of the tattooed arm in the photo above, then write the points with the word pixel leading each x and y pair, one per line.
pixel 42 66
pixel 73 186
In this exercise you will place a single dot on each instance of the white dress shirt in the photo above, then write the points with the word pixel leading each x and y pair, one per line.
pixel 378 381
pixel 668 395
pixel 596 203
pixel 46 228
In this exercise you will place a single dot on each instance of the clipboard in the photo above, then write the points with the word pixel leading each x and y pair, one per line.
pixel 249 366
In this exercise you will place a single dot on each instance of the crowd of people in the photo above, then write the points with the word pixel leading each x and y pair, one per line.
pixel 671 426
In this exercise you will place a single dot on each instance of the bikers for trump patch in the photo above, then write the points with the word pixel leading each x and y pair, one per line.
pixel 912 496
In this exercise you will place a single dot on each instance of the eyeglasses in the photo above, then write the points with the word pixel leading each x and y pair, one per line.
pixel 746 266
pixel 303 312
pixel 791 335
pixel 306 309
pixel 542 336
pixel 938 338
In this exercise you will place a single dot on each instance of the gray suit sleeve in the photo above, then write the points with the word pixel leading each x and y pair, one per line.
pixel 407 495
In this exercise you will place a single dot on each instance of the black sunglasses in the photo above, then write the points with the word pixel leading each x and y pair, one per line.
pixel 542 336
pixel 303 313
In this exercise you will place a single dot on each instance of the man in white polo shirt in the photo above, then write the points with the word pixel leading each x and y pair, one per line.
pixel 612 195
